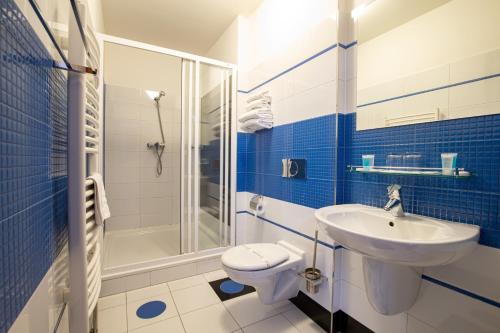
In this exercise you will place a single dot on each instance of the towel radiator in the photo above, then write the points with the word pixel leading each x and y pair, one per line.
pixel 84 119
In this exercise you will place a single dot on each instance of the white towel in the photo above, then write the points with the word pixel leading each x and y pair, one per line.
pixel 256 114
pixel 101 203
pixel 258 104
pixel 263 96
pixel 253 125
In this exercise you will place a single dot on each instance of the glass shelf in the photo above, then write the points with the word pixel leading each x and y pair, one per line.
pixel 458 173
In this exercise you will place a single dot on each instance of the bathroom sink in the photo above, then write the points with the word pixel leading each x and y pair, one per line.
pixel 396 249
pixel 410 240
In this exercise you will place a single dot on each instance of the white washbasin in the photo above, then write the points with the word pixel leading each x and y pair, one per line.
pixel 395 249
pixel 411 240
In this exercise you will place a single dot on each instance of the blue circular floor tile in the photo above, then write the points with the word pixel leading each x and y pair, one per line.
pixel 151 309
pixel 231 287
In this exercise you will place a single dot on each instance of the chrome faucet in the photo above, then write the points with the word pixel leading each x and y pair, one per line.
pixel 395 203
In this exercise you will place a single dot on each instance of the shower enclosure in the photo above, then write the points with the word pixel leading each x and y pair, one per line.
pixel 169 149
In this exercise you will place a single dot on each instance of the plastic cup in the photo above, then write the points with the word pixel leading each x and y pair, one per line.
pixel 368 161
pixel 448 163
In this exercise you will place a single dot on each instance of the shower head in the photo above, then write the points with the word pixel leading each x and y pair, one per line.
pixel 160 95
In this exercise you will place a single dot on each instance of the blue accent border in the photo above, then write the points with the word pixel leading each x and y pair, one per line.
pixel 351 44
pixel 329 48
pixel 291 230
pixel 424 277
pixel 492 76
pixel 462 291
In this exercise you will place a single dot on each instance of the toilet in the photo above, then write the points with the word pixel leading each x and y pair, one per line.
pixel 272 269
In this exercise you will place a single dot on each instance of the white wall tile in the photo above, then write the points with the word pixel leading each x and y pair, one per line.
pixel 478 272
pixel 137 281
pixel 449 311
pixel 123 222
pixel 208 265
pixel 484 64
pixel 123 190
pixel 121 174
pixel 480 92
pixel 172 273
pixel 120 207
pixel 417 326
pixel 355 303
pixel 113 286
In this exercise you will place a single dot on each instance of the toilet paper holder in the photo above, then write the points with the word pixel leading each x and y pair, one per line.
pixel 257 204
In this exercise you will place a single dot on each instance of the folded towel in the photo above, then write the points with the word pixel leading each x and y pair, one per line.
pixel 253 125
pixel 263 96
pixel 256 114
pixel 258 104
pixel 101 203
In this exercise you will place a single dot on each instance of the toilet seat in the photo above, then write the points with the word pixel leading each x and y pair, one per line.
pixel 254 257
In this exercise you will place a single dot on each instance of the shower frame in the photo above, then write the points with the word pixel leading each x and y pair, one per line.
pixel 193 253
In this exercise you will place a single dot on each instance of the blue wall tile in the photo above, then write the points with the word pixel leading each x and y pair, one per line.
pixel 474 201
pixel 312 139
pixel 33 162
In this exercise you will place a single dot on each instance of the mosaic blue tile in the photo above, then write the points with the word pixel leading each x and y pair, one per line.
pixel 33 162
pixel 474 201
pixel 313 140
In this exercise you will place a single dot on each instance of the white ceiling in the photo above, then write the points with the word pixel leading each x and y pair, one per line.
pixel 384 15
pixel 187 25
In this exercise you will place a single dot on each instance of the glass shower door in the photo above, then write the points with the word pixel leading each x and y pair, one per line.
pixel 207 101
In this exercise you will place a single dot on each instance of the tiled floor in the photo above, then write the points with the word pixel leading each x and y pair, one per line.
pixel 192 307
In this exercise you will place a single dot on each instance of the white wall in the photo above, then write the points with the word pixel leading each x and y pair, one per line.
pixel 226 46
pixel 453 43
pixel 276 37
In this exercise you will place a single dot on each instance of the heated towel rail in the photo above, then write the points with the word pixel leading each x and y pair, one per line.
pixel 84 122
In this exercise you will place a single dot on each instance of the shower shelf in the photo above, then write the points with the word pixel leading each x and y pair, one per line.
pixel 458 173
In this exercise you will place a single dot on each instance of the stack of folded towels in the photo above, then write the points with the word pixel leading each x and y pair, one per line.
pixel 258 114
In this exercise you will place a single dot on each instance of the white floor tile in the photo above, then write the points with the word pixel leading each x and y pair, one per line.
pixel 283 306
pixel 213 319
pixel 194 298
pixel 148 292
pixel 248 309
pixel 111 301
pixel 215 275
pixel 172 325
pixel 135 322
pixel 302 322
pixel 277 324
pixel 113 320
pixel 186 282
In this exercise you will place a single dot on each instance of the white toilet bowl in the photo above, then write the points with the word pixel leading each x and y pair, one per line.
pixel 272 269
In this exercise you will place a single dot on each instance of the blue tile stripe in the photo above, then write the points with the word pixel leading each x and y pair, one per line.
pixel 329 48
pixel 482 78
pixel 289 229
pixel 351 44
pixel 462 291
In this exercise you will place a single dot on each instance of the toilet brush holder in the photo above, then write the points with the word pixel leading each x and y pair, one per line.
pixel 313 279
pixel 312 275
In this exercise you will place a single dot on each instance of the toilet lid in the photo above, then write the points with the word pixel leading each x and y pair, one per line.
pixel 253 257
